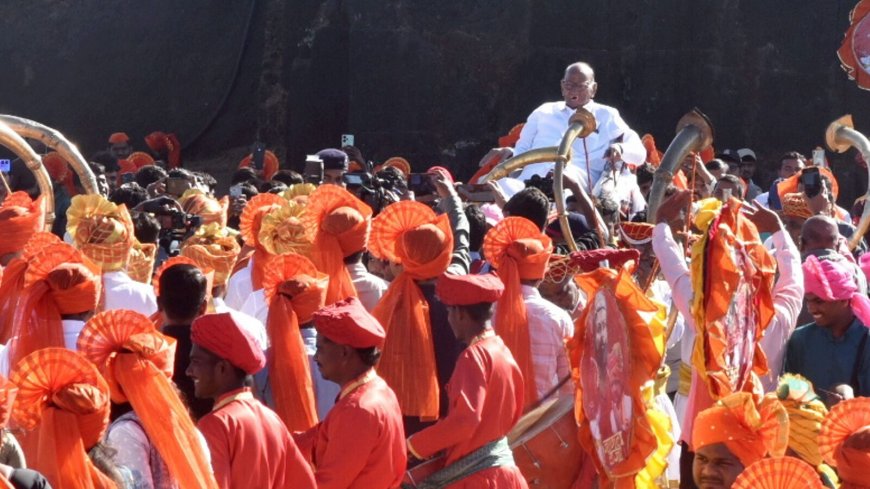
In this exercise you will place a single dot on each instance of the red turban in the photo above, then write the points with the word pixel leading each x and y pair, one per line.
pixel 519 251
pixel 20 217
pixel 749 431
pixel 294 291
pixel 348 323
pixel 341 224
pixel 635 233
pixel 119 137
pixel 409 233
pixel 65 401
pixel 466 290
pixel 137 362
pixel 270 164
pixel 223 335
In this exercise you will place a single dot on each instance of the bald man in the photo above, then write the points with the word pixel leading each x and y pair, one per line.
pixel 819 234
pixel 548 123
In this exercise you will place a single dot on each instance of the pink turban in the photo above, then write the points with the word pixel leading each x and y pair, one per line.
pixel 835 281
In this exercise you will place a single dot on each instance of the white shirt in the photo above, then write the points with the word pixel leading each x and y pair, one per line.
pixel 622 187
pixel 370 288
pixel 122 292
pixel 71 330
pixel 240 286
pixel 547 124
pixel 549 327
pixel 788 294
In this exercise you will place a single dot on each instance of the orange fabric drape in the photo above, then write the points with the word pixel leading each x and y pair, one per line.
pixel 646 343
pixel 518 251
pixel 408 237
pixel 729 253
pixel 12 282
pixel 137 362
pixel 295 290
pixel 250 222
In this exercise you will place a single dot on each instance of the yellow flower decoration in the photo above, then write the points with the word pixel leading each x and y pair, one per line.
pixel 283 231
pixel 298 192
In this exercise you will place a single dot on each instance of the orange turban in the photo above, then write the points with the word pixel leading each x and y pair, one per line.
pixel 294 290
pixel 779 473
pixel 842 422
pixel 519 251
pixel 409 233
pixel 214 247
pixel 20 217
pixel 137 362
pixel 790 184
pixel 635 233
pixel 59 171
pixel 13 279
pixel 794 205
pixel 165 144
pixel 140 265
pixel 58 281
pixel 340 223
pixel 299 192
pixel 270 164
pixel 250 223
pixel 140 159
pixel 211 210
pixel 398 163
pixel 749 431
pixel 653 155
pixel 64 398
pixel 102 230
pixel 119 137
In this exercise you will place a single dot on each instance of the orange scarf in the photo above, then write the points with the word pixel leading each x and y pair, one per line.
pixel 295 291
pixel 519 251
pixel 423 244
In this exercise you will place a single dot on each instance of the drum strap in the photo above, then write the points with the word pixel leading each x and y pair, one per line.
pixel 494 454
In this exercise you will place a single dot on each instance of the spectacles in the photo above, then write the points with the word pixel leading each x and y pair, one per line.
pixel 577 86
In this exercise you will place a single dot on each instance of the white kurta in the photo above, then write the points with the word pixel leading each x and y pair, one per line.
pixel 240 286
pixel 369 288
pixel 122 292
pixel 547 124
pixel 71 330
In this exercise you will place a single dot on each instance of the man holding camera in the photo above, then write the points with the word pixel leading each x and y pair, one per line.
pixel 547 125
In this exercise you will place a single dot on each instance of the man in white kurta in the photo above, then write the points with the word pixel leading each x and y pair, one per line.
pixel 547 124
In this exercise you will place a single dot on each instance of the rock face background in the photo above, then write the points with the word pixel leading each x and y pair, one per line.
pixel 436 82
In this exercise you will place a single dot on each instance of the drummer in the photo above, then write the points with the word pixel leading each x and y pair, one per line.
pixel 485 392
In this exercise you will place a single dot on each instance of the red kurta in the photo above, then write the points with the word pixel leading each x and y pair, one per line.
pixel 486 400
pixel 361 443
pixel 251 447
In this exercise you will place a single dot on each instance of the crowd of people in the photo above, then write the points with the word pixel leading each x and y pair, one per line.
pixel 360 325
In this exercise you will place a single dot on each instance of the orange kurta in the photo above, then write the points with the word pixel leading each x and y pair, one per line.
pixel 486 400
pixel 250 447
pixel 361 443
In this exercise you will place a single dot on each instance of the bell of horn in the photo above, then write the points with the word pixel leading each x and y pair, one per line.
pixel 15 143
pixel 694 133
pixel 840 136
pixel 56 141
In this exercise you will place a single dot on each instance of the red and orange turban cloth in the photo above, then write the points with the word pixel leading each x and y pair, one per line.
pixel 409 234
pixel 519 251
pixel 137 363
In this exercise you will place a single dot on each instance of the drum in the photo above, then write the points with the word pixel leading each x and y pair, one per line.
pixel 421 471
pixel 545 445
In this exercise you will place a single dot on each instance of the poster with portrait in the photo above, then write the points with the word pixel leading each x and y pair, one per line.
pixel 604 377
pixel 854 53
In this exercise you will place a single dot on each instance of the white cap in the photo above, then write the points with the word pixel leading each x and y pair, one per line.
pixel 744 152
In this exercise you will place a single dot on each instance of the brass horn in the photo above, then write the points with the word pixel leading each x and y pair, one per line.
pixel 15 143
pixel 581 124
pixel 56 141
pixel 840 136
pixel 694 133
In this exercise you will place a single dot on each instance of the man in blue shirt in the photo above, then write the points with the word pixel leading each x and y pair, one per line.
pixel 832 350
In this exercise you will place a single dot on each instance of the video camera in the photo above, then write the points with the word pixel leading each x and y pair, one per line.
pixel 182 227
pixel 544 184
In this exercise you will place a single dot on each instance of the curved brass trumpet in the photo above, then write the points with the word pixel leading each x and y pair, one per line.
pixel 694 133
pixel 56 141
pixel 19 146
pixel 581 124
pixel 840 136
